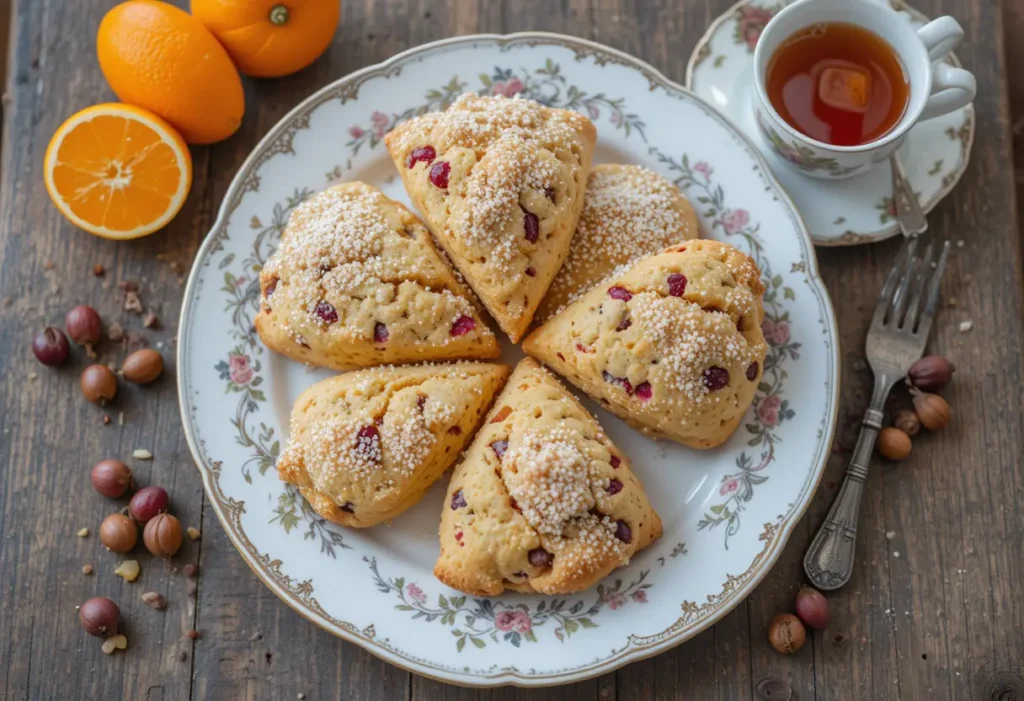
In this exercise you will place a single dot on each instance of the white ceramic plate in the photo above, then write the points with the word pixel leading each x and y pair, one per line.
pixel 727 512
pixel 837 213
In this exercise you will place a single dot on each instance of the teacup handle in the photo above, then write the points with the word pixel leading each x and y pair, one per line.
pixel 952 88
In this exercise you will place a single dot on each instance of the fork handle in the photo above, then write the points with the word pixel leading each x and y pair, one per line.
pixel 829 560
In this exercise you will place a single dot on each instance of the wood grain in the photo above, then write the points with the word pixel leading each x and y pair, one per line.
pixel 934 610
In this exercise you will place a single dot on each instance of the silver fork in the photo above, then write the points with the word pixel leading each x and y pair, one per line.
pixel 897 338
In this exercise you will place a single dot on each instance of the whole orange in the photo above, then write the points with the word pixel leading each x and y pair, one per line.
pixel 271 38
pixel 161 58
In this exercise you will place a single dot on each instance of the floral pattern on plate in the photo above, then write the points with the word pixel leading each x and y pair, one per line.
pixel 375 586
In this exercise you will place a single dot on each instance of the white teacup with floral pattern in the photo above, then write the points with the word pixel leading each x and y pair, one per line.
pixel 935 88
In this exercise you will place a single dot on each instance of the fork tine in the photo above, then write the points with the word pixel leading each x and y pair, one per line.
pixel 885 296
pixel 921 278
pixel 925 323
pixel 899 301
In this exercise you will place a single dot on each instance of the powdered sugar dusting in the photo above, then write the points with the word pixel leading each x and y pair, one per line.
pixel 629 212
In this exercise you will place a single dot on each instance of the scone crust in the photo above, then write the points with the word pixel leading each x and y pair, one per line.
pixel 559 487
pixel 516 172
pixel 367 445
pixel 357 281
pixel 651 344
pixel 629 212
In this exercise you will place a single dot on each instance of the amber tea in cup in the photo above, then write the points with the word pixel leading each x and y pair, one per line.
pixel 838 83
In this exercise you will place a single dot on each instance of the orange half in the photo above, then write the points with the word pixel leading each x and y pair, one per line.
pixel 117 171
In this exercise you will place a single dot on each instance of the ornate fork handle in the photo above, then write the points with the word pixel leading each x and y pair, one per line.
pixel 829 560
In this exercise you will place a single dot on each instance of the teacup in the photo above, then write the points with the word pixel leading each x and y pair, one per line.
pixel 935 88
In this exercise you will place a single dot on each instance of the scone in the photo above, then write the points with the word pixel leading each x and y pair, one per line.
pixel 542 501
pixel 673 345
pixel 629 212
pixel 366 445
pixel 500 181
pixel 357 282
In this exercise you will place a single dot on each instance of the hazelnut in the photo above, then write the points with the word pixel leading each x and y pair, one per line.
pixel 147 503
pixel 812 607
pixel 894 443
pixel 932 410
pixel 907 422
pixel 84 325
pixel 162 535
pixel 51 347
pixel 143 366
pixel 192 634
pixel 99 384
pixel 119 533
pixel 111 478
pixel 99 616
pixel 86 569
pixel 193 533
pixel 190 570
pixel 787 633
pixel 931 373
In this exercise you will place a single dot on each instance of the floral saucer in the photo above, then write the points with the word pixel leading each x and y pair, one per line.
pixel 837 212
pixel 727 512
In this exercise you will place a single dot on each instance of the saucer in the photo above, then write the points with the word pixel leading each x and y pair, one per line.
pixel 836 212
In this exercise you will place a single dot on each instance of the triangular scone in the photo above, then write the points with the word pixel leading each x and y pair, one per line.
pixel 357 281
pixel 367 445
pixel 673 345
pixel 542 501
pixel 500 182
pixel 629 212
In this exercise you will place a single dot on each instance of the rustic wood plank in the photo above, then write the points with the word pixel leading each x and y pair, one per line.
pixel 51 435
pixel 953 509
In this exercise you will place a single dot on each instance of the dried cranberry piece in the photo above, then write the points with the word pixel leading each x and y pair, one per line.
pixel 348 507
pixel 622 381
pixel 623 532
pixel 513 503
pixel 618 292
pixel 739 324
pixel 624 324
pixel 458 501
pixel 499 447
pixel 676 284
pixel 271 287
pixel 560 356
pixel 326 311
pixel 581 348
pixel 643 391
pixel 752 371
pixel 531 225
pixel 615 461
pixel 380 333
pixel 455 431
pixel 549 192
pixel 421 153
pixel 614 486
pixel 531 272
pixel 463 325
pixel 716 377
pixel 539 557
pixel 439 174
pixel 368 442
pixel 420 401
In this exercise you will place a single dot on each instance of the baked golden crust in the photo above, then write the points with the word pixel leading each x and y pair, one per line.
pixel 367 445
pixel 357 281
pixel 500 181
pixel 629 212
pixel 542 501
pixel 673 345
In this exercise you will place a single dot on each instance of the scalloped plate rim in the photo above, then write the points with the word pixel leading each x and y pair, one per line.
pixel 501 677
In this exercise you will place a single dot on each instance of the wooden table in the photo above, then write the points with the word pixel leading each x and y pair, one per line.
pixel 935 609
